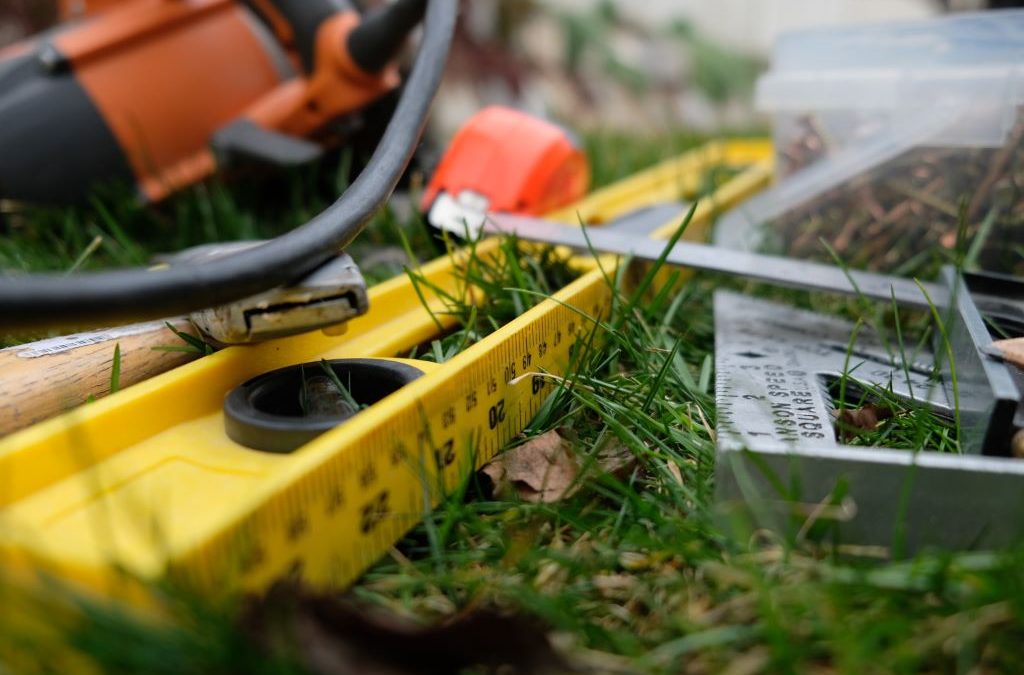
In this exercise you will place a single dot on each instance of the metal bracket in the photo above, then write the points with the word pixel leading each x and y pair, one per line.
pixel 330 296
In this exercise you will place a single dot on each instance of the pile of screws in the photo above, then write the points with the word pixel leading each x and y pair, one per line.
pixel 927 207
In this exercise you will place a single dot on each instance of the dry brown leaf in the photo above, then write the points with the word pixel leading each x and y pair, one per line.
pixel 333 636
pixel 615 586
pixel 615 458
pixel 634 561
pixel 673 469
pixel 543 469
pixel 750 662
pixel 866 418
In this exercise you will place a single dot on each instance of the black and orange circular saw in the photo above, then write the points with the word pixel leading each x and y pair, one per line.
pixel 160 92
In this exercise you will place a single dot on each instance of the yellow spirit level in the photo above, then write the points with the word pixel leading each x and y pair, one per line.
pixel 148 481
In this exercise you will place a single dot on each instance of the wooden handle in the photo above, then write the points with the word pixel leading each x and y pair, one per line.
pixel 41 379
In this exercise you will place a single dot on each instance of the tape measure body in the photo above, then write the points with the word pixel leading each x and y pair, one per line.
pixel 147 478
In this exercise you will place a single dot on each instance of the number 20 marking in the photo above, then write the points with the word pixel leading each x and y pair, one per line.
pixel 496 414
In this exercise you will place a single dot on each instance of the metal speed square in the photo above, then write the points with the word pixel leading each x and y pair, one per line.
pixel 779 455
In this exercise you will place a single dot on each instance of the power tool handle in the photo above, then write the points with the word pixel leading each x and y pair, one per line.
pixel 41 379
pixel 303 19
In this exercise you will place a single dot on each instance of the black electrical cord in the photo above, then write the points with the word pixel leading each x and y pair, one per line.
pixel 36 301
pixel 382 33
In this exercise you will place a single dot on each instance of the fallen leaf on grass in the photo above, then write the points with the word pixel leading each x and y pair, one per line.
pixel 676 474
pixel 865 419
pixel 615 586
pixel 331 636
pixel 615 458
pixel 545 468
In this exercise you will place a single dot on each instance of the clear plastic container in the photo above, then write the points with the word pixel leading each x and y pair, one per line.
pixel 829 89
pixel 889 139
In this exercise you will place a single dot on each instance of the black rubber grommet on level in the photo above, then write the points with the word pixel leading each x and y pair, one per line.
pixel 266 413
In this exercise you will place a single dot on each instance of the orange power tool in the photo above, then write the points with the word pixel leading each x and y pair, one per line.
pixel 159 92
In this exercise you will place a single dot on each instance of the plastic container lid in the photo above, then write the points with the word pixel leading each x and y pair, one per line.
pixel 982 38
pixel 967 63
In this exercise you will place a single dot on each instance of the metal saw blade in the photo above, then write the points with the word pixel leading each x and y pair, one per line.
pixel 775 365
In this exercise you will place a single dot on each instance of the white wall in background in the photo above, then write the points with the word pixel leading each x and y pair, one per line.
pixel 751 26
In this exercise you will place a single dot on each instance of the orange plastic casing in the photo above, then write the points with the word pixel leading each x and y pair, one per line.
pixel 76 9
pixel 305 104
pixel 522 164
pixel 166 74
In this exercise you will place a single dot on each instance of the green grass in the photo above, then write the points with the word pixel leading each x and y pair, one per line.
pixel 638 567
pixel 901 424
pixel 512 280
pixel 114 229
pixel 633 573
